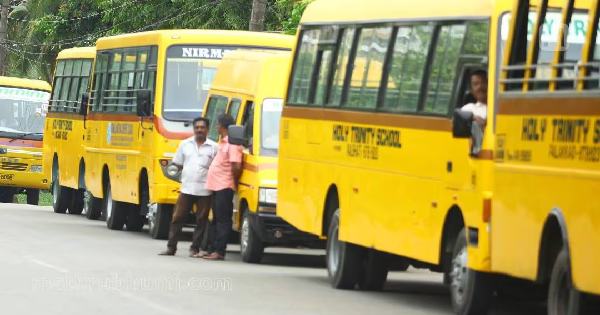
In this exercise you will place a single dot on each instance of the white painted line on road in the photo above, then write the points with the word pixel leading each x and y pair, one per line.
pixel 47 265
pixel 147 303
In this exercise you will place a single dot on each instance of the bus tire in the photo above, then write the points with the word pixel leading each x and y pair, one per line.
pixel 343 259
pixel 563 297
pixel 135 221
pixel 92 206
pixel 160 223
pixel 76 206
pixel 61 196
pixel 33 197
pixel 251 248
pixel 116 214
pixel 7 194
pixel 374 272
pixel 470 291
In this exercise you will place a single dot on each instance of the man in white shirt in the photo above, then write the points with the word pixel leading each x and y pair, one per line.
pixel 194 156
pixel 479 83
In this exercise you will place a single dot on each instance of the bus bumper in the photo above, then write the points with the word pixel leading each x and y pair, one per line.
pixel 273 230
pixel 165 193
pixel 24 179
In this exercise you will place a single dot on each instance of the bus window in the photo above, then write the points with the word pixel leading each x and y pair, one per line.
pixel 337 85
pixel 443 70
pixel 216 107
pixel 248 121
pixel 406 68
pixel 368 67
pixel 304 67
pixel 234 108
pixel 187 85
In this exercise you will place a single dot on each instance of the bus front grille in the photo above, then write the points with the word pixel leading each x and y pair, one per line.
pixel 9 166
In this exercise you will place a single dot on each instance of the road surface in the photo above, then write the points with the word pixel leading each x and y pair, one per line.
pixel 63 264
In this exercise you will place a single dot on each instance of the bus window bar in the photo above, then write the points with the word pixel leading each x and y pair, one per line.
pixel 576 67
pixel 118 105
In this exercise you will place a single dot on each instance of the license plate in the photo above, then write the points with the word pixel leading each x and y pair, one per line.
pixel 7 177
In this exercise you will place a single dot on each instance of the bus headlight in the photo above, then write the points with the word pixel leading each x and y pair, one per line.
pixel 267 195
pixel 172 170
pixel 35 169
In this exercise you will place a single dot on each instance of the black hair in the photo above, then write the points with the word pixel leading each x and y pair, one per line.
pixel 480 73
pixel 226 120
pixel 205 120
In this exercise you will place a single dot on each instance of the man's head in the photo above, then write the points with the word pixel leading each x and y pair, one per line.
pixel 479 83
pixel 201 126
pixel 223 124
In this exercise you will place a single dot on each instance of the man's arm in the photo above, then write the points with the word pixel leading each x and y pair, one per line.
pixel 236 153
pixel 179 157
pixel 481 121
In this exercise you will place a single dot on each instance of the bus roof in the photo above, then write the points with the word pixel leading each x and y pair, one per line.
pixel 77 53
pixel 340 11
pixel 245 71
pixel 330 11
pixel 220 37
pixel 25 83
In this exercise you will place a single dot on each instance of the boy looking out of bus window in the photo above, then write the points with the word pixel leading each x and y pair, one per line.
pixel 479 83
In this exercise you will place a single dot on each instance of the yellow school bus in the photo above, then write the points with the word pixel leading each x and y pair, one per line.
pixel 249 86
pixel 545 221
pixel 23 108
pixel 393 176
pixel 63 151
pixel 147 87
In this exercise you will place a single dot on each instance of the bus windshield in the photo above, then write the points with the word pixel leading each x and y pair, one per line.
pixel 189 73
pixel 23 111
pixel 269 134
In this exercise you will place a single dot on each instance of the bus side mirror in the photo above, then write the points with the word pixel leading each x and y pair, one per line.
pixel 237 135
pixel 462 122
pixel 144 103
pixel 83 107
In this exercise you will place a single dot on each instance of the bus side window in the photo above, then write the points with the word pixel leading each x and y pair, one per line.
pixel 248 122
pixel 234 109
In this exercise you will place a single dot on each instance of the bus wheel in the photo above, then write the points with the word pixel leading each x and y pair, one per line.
pixel 60 196
pixel 92 206
pixel 250 246
pixel 76 206
pixel 159 220
pixel 7 194
pixel 374 272
pixel 343 259
pixel 135 221
pixel 116 214
pixel 33 197
pixel 563 297
pixel 471 291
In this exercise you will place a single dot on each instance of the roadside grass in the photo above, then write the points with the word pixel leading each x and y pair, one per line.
pixel 45 198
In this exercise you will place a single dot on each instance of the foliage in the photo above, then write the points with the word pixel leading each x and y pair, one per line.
pixel 40 29
pixel 298 6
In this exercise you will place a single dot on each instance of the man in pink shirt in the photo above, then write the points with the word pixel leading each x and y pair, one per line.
pixel 223 176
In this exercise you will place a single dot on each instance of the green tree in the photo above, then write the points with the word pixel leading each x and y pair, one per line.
pixel 40 29
pixel 297 7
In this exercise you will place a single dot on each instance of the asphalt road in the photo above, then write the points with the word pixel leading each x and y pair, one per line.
pixel 62 264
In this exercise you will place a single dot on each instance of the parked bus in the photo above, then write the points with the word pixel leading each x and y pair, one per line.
pixel 147 87
pixel 63 145
pixel 23 108
pixel 249 86
pixel 545 218
pixel 384 176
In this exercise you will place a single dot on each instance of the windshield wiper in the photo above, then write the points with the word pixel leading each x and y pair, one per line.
pixel 25 134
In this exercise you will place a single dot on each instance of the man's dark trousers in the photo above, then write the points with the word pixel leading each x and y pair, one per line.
pixel 220 226
pixel 180 215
